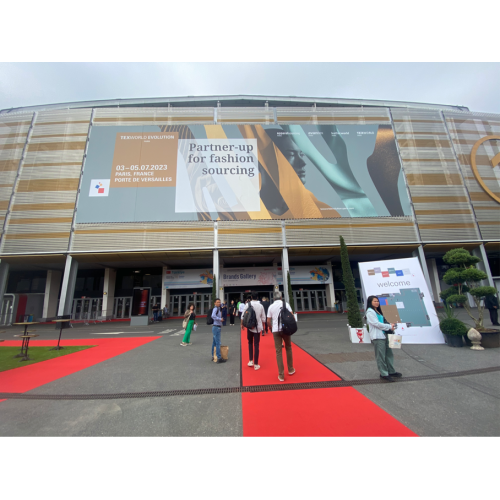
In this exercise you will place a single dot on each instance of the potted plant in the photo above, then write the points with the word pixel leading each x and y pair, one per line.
pixel 451 327
pixel 465 278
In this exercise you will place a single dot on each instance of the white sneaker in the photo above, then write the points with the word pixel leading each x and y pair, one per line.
pixel 256 367
pixel 281 379
pixel 291 373
pixel 250 363
pixel 183 344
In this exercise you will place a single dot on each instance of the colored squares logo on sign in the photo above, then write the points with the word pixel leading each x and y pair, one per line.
pixel 399 273
pixel 406 272
pixel 99 187
pixel 385 274
pixel 378 270
pixel 371 272
pixel 392 270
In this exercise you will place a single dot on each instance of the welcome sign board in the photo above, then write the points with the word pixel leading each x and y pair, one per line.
pixel 404 298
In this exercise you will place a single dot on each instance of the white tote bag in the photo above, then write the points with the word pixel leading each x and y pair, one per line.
pixel 394 340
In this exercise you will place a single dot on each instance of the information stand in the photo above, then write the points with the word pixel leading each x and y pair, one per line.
pixel 140 307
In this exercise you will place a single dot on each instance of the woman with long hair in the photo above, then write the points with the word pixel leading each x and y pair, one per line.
pixel 378 328
pixel 232 313
pixel 190 316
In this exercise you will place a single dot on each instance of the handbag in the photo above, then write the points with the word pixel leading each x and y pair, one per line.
pixel 394 340
pixel 185 323
pixel 195 326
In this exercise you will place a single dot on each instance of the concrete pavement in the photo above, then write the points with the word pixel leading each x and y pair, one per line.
pixel 460 406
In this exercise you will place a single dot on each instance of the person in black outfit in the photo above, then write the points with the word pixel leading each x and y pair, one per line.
pixel 491 303
pixel 232 313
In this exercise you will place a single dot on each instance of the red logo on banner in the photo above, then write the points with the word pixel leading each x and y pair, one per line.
pixel 385 274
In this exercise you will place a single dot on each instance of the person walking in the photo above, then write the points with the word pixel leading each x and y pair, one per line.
pixel 224 314
pixel 274 324
pixel 190 316
pixel 156 309
pixel 491 303
pixel 216 328
pixel 265 304
pixel 232 313
pixel 241 307
pixel 253 334
pixel 378 328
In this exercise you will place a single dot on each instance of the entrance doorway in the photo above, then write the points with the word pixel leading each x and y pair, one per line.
pixel 310 300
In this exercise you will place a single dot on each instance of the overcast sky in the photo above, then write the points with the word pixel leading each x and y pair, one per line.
pixel 475 85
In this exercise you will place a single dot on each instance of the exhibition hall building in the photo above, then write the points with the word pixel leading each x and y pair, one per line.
pixel 110 207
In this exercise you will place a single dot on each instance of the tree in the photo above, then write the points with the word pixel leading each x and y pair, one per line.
pixel 214 290
pixel 353 314
pixel 465 278
pixel 290 293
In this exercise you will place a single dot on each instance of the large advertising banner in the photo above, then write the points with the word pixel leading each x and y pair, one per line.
pixel 404 298
pixel 188 278
pixel 250 276
pixel 311 275
pixel 241 172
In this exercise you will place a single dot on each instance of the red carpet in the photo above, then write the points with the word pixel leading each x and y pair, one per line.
pixel 26 378
pixel 340 411
pixel 307 368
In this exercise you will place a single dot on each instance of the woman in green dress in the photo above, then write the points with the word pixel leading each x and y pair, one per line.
pixel 190 316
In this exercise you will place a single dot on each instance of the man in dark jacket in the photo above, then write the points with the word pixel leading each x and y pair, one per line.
pixel 491 303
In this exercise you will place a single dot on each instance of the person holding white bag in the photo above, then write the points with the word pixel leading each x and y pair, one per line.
pixel 189 319
pixel 383 353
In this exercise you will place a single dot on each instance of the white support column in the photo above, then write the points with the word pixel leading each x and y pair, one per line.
pixel 52 287
pixel 421 257
pixel 434 278
pixel 4 275
pixel 215 270
pixel 68 286
pixel 285 267
pixel 220 285
pixel 165 293
pixel 108 292
pixel 330 294
pixel 484 265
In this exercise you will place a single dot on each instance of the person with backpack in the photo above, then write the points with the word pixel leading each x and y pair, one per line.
pixel 253 319
pixel 279 325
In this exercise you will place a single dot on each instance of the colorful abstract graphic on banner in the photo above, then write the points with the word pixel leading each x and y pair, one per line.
pixel 404 298
pixel 241 172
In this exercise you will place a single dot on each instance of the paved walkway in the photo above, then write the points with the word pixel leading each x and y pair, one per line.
pixel 459 406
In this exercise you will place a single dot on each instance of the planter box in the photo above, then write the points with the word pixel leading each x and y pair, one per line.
pixel 490 339
pixel 454 340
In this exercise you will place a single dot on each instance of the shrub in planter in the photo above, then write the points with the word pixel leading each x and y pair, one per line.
pixel 465 278
pixel 453 328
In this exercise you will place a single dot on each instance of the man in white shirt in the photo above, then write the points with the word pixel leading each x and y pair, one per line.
pixel 240 311
pixel 253 334
pixel 273 321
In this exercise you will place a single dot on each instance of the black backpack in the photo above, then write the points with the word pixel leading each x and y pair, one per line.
pixel 287 321
pixel 249 319
pixel 210 320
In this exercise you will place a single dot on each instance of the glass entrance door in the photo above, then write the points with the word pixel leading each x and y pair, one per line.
pixel 310 300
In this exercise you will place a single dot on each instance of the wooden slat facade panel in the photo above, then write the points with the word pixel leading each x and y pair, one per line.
pixel 465 131
pixel 441 203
